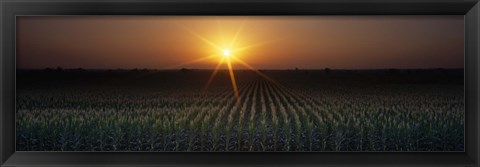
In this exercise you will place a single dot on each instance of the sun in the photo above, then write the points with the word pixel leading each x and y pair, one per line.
pixel 226 52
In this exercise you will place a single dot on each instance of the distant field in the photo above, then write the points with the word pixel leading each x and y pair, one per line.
pixel 305 110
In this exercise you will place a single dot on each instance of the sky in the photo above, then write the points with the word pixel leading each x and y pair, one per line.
pixel 264 42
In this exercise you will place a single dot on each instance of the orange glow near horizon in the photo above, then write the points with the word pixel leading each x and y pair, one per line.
pixel 265 42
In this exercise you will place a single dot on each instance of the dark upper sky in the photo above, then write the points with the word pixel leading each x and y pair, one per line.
pixel 274 42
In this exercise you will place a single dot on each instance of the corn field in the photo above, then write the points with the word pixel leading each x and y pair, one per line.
pixel 297 111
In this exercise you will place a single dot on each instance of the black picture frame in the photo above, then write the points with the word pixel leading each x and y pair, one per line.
pixel 9 9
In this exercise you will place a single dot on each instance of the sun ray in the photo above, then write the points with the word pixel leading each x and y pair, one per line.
pixel 200 37
pixel 256 45
pixel 255 70
pixel 232 78
pixel 192 61
pixel 213 75
pixel 237 33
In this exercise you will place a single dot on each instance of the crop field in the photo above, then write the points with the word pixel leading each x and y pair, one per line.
pixel 298 110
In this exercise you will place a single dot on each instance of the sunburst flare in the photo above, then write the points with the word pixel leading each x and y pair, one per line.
pixel 227 56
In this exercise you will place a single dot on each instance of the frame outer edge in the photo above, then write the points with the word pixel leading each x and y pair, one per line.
pixel 2 111
pixel 472 35
pixel 473 17
pixel 476 55
pixel 477 8
pixel 477 26
pixel 7 43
